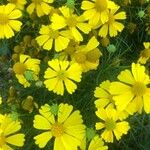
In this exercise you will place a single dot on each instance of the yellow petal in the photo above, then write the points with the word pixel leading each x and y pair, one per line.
pixel 12 127
pixel 126 77
pixel 92 44
pixel 42 139
pixel 87 5
pixel 16 25
pixel 70 86
pixel 61 43
pixel 46 8
pixel 59 88
pixel 48 44
pixel 9 8
pixel 41 123
pixel 42 39
pixel 76 34
pixel 31 8
pixel 17 139
pixel 15 14
pixel 74 72
pixel 8 32
pixel 121 15
pixel 58 22
pixel 49 73
pixel 103 31
pixel 64 112
pixel 84 27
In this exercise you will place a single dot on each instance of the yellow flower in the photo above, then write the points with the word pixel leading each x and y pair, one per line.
pixel 71 22
pixel 97 10
pixel 41 7
pixel 19 3
pixel 87 56
pixel 68 52
pixel 60 75
pixel 112 27
pixel 8 22
pixel 145 54
pixel 97 144
pixel 67 128
pixel 111 124
pixel 27 69
pixel 8 135
pixel 131 93
pixel 105 99
pixel 49 35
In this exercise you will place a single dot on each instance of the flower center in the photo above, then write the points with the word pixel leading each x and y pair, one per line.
pixel 37 1
pixel 93 55
pixel 71 21
pixel 111 19
pixel 54 34
pixel 57 129
pixel 19 68
pixel 145 53
pixel 110 124
pixel 13 1
pixel 2 140
pixel 3 19
pixel 139 89
pixel 61 74
pixel 101 5
pixel 80 57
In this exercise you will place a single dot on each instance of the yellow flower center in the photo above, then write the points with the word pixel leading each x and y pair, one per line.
pixel 13 1
pixel 54 34
pixel 139 89
pixel 110 124
pixel 145 53
pixel 37 1
pixel 19 68
pixel 61 74
pixel 93 55
pixel 3 19
pixel 80 57
pixel 71 21
pixel 2 139
pixel 57 129
pixel 111 19
pixel 101 5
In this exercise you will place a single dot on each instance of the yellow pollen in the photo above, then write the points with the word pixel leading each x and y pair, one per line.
pixel 71 21
pixel 61 74
pixel 111 19
pixel 101 5
pixel 53 34
pixel 3 19
pixel 19 68
pixel 145 53
pixel 93 55
pixel 80 57
pixel 13 1
pixel 37 1
pixel 139 89
pixel 2 140
pixel 110 124
pixel 57 129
